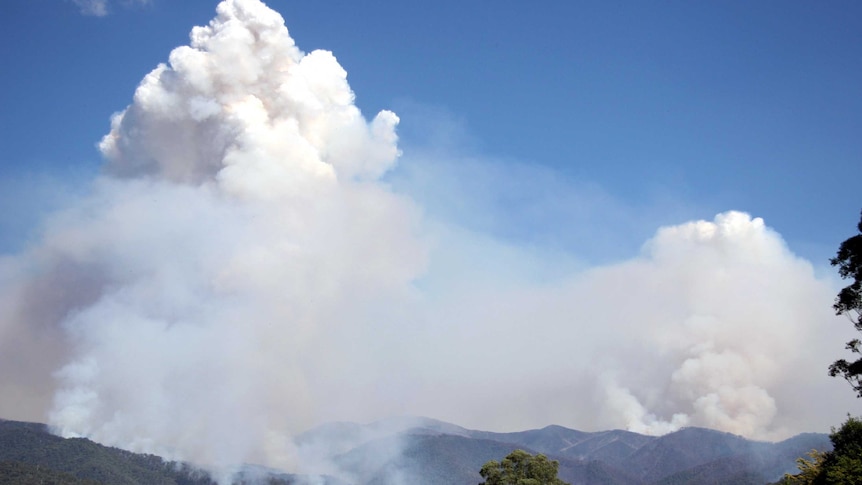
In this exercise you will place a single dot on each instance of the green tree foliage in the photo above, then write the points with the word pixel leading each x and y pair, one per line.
pixel 842 465
pixel 30 451
pixel 16 473
pixel 849 302
pixel 809 469
pixel 521 468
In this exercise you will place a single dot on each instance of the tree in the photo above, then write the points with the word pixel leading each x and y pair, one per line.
pixel 849 302
pixel 809 470
pixel 842 465
pixel 521 468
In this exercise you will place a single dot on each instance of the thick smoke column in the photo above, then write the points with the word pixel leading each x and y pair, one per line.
pixel 198 295
pixel 240 272
pixel 242 226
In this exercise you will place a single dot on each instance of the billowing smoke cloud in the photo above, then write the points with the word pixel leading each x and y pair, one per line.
pixel 715 324
pixel 242 271
pixel 236 230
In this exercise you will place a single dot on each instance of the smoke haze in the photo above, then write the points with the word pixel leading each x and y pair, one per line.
pixel 243 269
pixel 101 8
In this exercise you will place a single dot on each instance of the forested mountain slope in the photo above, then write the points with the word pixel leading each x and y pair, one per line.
pixel 426 452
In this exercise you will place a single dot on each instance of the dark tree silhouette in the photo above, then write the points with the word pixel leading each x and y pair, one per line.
pixel 849 302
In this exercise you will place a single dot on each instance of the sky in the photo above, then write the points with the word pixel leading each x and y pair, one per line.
pixel 707 107
pixel 492 215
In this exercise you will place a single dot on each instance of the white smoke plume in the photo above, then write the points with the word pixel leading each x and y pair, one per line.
pixel 242 271
pixel 715 324
pixel 236 229
pixel 99 8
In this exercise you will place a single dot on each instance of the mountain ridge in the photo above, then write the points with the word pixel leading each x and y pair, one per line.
pixel 430 452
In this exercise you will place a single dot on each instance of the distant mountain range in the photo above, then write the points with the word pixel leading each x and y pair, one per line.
pixel 426 452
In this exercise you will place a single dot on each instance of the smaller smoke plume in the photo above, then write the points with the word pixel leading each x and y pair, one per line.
pixel 715 324
pixel 99 8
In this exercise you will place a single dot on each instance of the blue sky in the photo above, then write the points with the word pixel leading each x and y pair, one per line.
pixel 714 105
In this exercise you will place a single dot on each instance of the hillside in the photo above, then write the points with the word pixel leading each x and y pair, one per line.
pixel 28 448
pixel 427 452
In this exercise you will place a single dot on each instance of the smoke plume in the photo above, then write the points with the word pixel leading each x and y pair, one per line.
pixel 237 227
pixel 100 8
pixel 242 270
